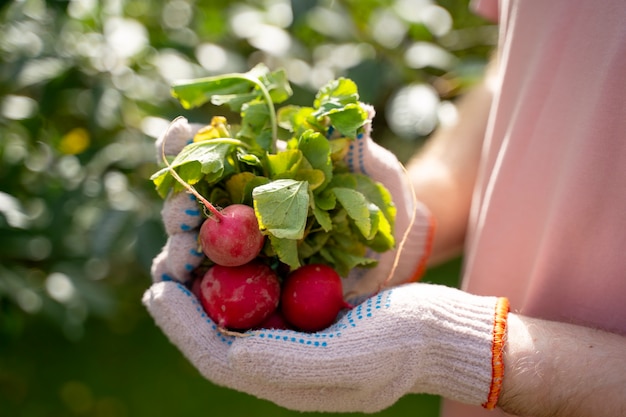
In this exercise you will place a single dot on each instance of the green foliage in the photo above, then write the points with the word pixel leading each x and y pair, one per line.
pixel 286 184
pixel 84 91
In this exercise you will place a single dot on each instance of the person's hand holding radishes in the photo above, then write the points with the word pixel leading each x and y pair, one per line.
pixel 415 338
pixel 284 234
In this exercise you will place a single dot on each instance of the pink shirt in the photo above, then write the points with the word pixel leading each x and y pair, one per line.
pixel 548 222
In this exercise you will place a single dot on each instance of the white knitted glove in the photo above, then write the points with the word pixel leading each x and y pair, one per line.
pixel 416 338
pixel 181 214
pixel 367 157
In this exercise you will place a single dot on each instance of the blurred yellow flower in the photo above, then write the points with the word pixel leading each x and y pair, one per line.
pixel 217 129
pixel 75 141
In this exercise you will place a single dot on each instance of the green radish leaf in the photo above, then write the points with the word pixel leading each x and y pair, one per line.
pixel 286 250
pixel 347 237
pixel 298 120
pixel 376 193
pixel 381 238
pixel 219 197
pixel 252 161
pixel 220 90
pixel 277 82
pixel 281 207
pixel 294 118
pixel 312 244
pixel 339 101
pixel 234 101
pixel 232 89
pixel 316 150
pixel 382 242
pixel 325 200
pixel 254 114
pixel 255 119
pixel 336 94
pixel 356 206
pixel 348 120
pixel 196 161
pixel 323 218
pixel 248 200
pixel 344 262
pixel 237 186
pixel 284 163
pixel 314 177
pixel 344 180
pixel 339 149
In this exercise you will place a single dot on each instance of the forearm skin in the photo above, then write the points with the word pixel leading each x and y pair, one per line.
pixel 543 365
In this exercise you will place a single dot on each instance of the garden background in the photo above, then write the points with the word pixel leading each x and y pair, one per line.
pixel 84 91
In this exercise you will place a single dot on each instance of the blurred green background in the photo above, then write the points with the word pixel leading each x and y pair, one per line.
pixel 84 91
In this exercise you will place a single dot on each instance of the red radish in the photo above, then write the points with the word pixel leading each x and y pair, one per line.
pixel 274 321
pixel 312 297
pixel 195 287
pixel 233 238
pixel 240 297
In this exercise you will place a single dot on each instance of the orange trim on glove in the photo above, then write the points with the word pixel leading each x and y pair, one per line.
pixel 497 349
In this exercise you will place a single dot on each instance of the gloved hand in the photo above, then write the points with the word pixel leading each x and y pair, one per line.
pixel 414 223
pixel 415 338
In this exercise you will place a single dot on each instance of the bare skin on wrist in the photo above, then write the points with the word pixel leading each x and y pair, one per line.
pixel 543 364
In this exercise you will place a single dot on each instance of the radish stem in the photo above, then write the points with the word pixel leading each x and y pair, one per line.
pixel 188 187
pixel 270 105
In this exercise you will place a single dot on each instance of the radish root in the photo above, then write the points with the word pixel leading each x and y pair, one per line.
pixel 405 236
pixel 232 332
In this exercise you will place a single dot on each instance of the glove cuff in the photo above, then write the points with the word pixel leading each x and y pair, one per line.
pixel 497 350
pixel 466 349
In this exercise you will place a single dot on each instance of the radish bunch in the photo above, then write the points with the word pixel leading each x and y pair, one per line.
pixel 240 291
pixel 293 220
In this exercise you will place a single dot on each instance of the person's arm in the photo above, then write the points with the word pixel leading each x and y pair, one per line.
pixel 444 171
pixel 558 369
pixel 551 368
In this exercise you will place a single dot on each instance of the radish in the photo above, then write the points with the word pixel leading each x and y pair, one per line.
pixel 195 287
pixel 312 296
pixel 240 297
pixel 232 237
pixel 274 321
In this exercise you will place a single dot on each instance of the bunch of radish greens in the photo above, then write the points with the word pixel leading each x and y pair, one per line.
pixel 287 165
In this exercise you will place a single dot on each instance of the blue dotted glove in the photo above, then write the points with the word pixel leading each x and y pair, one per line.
pixel 415 338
